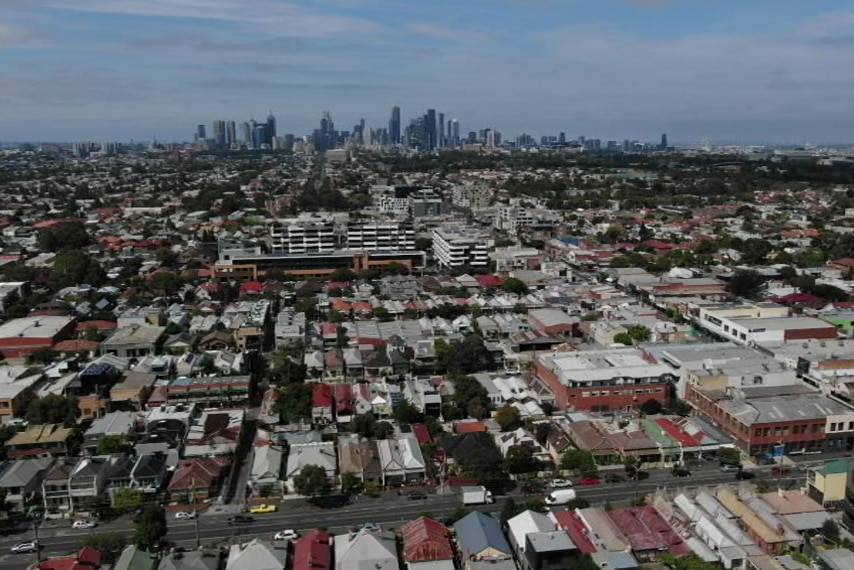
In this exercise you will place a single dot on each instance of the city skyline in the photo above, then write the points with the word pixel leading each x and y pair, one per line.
pixel 136 69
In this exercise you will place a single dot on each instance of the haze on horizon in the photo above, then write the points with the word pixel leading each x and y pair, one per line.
pixel 768 71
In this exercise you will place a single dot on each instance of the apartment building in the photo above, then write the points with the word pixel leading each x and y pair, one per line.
pixel 303 236
pixel 380 237
pixel 460 247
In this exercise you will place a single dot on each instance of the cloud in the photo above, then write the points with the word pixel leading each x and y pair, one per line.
pixel 11 36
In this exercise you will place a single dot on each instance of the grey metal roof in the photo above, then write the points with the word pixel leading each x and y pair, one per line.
pixel 478 531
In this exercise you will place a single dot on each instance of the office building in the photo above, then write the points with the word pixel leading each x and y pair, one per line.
pixel 200 133
pixel 219 133
pixel 394 125
pixel 230 133
pixel 303 236
pixel 460 247
pixel 430 130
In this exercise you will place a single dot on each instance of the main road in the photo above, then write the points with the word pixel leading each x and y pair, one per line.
pixel 390 510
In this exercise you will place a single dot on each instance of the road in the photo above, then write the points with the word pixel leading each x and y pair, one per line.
pixel 389 510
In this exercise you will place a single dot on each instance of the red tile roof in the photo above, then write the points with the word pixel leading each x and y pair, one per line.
pixel 199 473
pixel 312 551
pixel 646 530
pixel 76 345
pixel 422 434
pixel 470 427
pixel 85 559
pixel 425 539
pixel 321 395
pixel 488 280
pixel 100 325
pixel 250 287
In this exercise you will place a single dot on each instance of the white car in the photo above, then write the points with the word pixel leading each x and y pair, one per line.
pixel 286 535
pixel 25 547
pixel 84 525
pixel 185 515
pixel 560 483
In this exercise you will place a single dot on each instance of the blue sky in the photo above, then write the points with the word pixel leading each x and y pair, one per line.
pixel 721 70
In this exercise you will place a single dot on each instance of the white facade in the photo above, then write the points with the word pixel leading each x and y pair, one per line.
pixel 380 237
pixel 455 248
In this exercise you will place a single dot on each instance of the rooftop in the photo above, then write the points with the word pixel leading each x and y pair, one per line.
pixel 44 327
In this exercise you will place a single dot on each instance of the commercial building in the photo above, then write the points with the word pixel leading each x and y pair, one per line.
pixel 777 420
pixel 21 337
pixel 380 237
pixel 458 247
pixel 762 323
pixel 303 235
pixel 602 380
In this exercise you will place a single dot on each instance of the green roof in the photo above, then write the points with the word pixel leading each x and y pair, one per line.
pixel 835 467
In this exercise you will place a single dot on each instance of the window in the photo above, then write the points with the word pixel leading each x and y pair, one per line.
pixel 765 432
pixel 758 433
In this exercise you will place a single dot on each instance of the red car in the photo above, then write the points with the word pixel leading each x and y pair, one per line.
pixel 588 481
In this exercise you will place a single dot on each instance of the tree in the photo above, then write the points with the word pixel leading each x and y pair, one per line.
pixel 127 499
pixel 508 417
pixel 350 483
pixel 623 338
pixel 729 454
pixel 64 236
pixel 151 528
pixel 342 274
pixel 829 529
pixel 406 412
pixel 651 407
pixel 53 409
pixel 515 286
pixel 639 333
pixel 542 431
pixel 463 356
pixel 294 403
pixel 43 356
pixel 110 444
pixel 470 398
pixel 73 267
pixel 363 424
pixel 745 283
pixel 509 510
pixel 519 459
pixel 110 544
pixel 312 481
pixel 581 461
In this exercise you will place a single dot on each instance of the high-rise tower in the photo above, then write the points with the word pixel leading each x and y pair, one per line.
pixel 430 130
pixel 394 125
pixel 270 129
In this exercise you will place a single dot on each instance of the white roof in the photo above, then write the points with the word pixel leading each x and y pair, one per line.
pixel 527 523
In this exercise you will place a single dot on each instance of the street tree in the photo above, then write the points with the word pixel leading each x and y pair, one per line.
pixel 508 417
pixel 312 481
pixel 127 499
pixel 109 544
pixel 151 528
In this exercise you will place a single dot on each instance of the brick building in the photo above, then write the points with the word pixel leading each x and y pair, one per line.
pixel 601 380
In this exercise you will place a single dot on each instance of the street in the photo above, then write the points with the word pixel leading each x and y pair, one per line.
pixel 389 510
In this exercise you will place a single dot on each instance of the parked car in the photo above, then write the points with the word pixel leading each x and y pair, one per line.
pixel 240 519
pixel 680 472
pixel 614 478
pixel 185 515
pixel 589 481
pixel 777 471
pixel 84 525
pixel 371 526
pixel 532 489
pixel 263 508
pixel 730 467
pixel 416 496
pixel 289 534
pixel 25 547
pixel 560 483
pixel 744 475
pixel 638 475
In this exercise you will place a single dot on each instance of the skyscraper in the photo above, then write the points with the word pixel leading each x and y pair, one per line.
pixel 663 145
pixel 394 125
pixel 440 135
pixel 230 133
pixel 200 133
pixel 430 129
pixel 219 132
pixel 245 133
pixel 454 131
pixel 270 129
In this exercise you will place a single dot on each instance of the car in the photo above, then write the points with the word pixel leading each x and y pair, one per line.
pixel 532 489
pixel 263 508
pixel 371 527
pixel 416 496
pixel 25 547
pixel 614 478
pixel 744 475
pixel 589 481
pixel 560 483
pixel 730 468
pixel 777 471
pixel 185 515
pixel 289 534
pixel 84 525
pixel 638 475
pixel 240 519
pixel 680 472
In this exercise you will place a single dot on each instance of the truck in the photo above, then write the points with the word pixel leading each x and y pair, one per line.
pixel 560 496
pixel 476 495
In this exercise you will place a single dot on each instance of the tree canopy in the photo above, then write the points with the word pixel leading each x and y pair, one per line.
pixel 53 409
pixel 151 528
pixel 312 481
pixel 508 417
pixel 294 403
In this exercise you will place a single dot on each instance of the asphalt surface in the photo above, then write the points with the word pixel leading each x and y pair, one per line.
pixel 389 510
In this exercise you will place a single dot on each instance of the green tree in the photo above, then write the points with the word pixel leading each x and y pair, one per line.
pixel 126 499
pixel 746 283
pixel 312 481
pixel 363 424
pixel 109 544
pixel 829 529
pixel 43 356
pixel 519 459
pixel 74 267
pixel 64 236
pixel 514 285
pixel 639 333
pixel 581 461
pixel 651 407
pixel 469 395
pixel 508 510
pixel 623 338
pixel 729 454
pixel 408 413
pixel 342 275
pixel 53 409
pixel 508 417
pixel 110 444
pixel 294 403
pixel 463 356
pixel 151 528
pixel 350 483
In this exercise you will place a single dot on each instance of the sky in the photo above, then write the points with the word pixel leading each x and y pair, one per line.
pixel 763 71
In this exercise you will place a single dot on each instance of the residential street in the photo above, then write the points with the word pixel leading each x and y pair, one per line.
pixel 390 510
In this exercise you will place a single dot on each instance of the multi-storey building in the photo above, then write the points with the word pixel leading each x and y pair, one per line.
pixel 601 380
pixel 380 237
pixel 460 247
pixel 303 236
